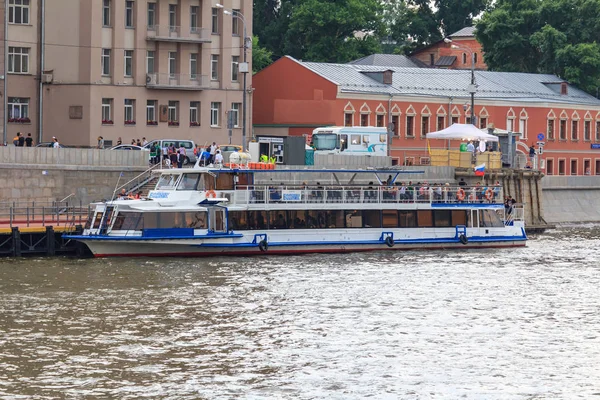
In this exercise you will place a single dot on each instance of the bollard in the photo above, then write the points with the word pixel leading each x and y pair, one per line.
pixel 50 241
pixel 16 242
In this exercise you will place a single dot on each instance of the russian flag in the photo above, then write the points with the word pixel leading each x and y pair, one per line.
pixel 480 170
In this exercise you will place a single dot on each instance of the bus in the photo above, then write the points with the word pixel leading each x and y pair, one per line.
pixel 351 140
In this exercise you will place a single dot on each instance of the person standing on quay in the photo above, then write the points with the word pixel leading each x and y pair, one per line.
pixel 55 145
pixel 29 140
pixel 21 140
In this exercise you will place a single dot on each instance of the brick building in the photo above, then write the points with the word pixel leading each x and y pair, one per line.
pixel 125 68
pixel 293 97
pixel 455 54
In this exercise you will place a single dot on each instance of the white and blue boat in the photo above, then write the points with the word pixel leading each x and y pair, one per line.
pixel 222 211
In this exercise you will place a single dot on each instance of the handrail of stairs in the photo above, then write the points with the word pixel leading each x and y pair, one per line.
pixel 141 179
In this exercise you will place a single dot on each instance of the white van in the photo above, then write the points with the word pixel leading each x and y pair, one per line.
pixel 187 144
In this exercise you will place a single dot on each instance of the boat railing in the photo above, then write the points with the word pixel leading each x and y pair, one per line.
pixel 364 194
pixel 514 213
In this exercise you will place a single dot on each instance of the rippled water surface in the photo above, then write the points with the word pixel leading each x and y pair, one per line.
pixel 483 324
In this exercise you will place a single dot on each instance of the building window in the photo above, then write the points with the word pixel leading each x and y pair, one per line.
pixel 235 23
pixel 194 19
pixel 235 68
pixel 575 130
pixel 464 57
pixel 563 130
pixel 440 122
pixel 215 111
pixel 573 166
pixel 523 127
pixel 151 15
pixel 424 125
pixel 173 17
pixel 215 21
pixel 396 124
pixel 172 64
pixel 194 66
pixel 18 12
pixel 482 122
pixel 173 112
pixel 597 131
pixel 380 120
pixel 410 126
pixel 587 130
pixel 129 112
pixel 587 164
pixel 107 111
pixel 150 61
pixel 151 112
pixel 194 113
pixel 235 114
pixel 431 59
pixel 214 67
pixel 106 13
pixel 364 119
pixel 475 57
pixel 18 109
pixel 129 14
pixel 597 167
pixel 550 131
pixel 549 166
pixel 128 63
pixel 510 124
pixel 18 60
pixel 455 119
pixel 348 119
pixel 561 166
pixel 106 62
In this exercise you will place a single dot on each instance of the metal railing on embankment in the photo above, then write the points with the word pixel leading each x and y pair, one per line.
pixel 41 214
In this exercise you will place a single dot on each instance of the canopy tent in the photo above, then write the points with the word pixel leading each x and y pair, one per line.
pixel 462 132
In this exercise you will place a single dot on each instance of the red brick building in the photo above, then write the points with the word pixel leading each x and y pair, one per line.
pixel 455 54
pixel 293 97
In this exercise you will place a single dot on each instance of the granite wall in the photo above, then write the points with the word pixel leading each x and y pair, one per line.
pixel 571 198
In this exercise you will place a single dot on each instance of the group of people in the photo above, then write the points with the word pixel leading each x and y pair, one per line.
pixel 134 142
pixel 209 155
pixel 123 195
pixel 173 156
pixel 22 141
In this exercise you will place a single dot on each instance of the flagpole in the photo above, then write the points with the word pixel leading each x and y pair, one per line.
pixel 116 187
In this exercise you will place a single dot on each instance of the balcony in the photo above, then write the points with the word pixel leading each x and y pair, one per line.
pixel 167 33
pixel 177 81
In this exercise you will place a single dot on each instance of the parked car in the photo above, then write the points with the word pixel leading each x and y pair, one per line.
pixel 51 144
pixel 230 147
pixel 127 147
pixel 187 144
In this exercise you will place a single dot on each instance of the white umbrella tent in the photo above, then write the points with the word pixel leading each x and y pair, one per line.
pixel 462 132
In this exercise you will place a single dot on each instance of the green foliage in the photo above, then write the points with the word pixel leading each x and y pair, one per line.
pixel 261 57
pixel 453 15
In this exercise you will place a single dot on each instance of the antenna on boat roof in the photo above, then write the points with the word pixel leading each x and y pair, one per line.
pixel 116 187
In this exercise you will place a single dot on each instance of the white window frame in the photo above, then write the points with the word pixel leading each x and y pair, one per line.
pixel 22 55
pixel 173 17
pixel 107 109
pixel 214 21
pixel 214 67
pixel 194 13
pixel 106 53
pixel 235 68
pixel 129 15
pixel 235 109
pixel 172 65
pixel 151 111
pixel 215 111
pixel 129 110
pixel 193 66
pixel 18 108
pixel 150 54
pixel 128 63
pixel 106 6
pixel 194 113
pixel 151 15
pixel 173 111
pixel 19 8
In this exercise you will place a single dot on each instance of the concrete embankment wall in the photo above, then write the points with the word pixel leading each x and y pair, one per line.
pixel 571 198
pixel 45 175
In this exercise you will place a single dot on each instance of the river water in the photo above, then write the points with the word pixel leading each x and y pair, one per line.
pixel 478 324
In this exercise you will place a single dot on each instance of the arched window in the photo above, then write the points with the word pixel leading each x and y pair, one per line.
pixel 464 58
pixel 475 57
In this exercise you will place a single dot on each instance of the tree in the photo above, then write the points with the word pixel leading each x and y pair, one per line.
pixel 261 57
pixel 453 15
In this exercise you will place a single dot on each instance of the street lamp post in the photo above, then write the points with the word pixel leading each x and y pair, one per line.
pixel 472 87
pixel 243 68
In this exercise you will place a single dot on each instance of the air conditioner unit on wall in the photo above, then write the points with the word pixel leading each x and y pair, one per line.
pixel 47 78
pixel 150 79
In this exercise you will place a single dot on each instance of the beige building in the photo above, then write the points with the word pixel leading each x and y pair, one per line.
pixel 126 68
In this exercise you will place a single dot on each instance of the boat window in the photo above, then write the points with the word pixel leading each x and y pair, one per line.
pixel 407 219
pixel 474 219
pixel 390 218
pixel 90 219
pixel 166 181
pixel 382 138
pixel 324 141
pixel 353 219
pixel 442 218
pixel 371 219
pixel 97 220
pixel 257 220
pixel 335 219
pixel 277 219
pixel 316 219
pixel 459 217
pixel 167 220
pixel 224 181
pixel 188 182
pixel 218 224
pixel 150 221
pixel 238 220
pixel 343 142
pixel 296 219
pixel 366 139
pixel 489 219
pixel 355 139
pixel 202 182
pixel 196 220
pixel 128 221
pixel 425 218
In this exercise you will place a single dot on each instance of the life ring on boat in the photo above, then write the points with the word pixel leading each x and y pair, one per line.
pixel 463 239
pixel 489 194
pixel 460 194
pixel 210 193
pixel 263 245
pixel 389 241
